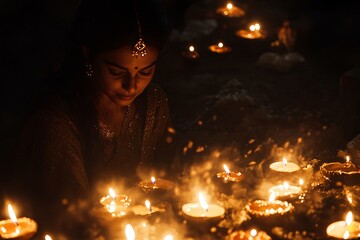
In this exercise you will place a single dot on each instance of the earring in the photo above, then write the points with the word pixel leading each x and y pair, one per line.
pixel 88 70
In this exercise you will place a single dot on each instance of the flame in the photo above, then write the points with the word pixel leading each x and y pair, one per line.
pixel 252 28
pixel 229 6
pixel 346 234
pixel 226 169
pixel 220 45
pixel 153 180
pixel 191 48
pixel 257 26
pixel 203 202
pixel 253 232
pixel 12 214
pixel 301 182
pixel 47 237
pixel 169 237
pixel 112 193
pixel 349 218
pixel 129 232
pixel 347 158
pixel 272 196
pixel 148 205
pixel 285 161
pixel 286 185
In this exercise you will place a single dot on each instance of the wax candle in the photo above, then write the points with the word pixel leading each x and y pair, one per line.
pixel 253 32
pixel 284 166
pixel 285 190
pixel 230 10
pixel 17 228
pixel 220 48
pixel 202 211
pixel 348 229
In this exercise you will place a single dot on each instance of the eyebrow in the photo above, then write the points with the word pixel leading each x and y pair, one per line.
pixel 124 68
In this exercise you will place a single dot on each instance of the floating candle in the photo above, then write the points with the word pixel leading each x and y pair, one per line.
pixel 17 228
pixel 254 32
pixel 347 229
pixel 228 176
pixel 285 166
pixel 230 10
pixel 220 48
pixel 285 190
pixel 191 53
pixel 202 211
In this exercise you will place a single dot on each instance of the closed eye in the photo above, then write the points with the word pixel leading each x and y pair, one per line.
pixel 117 73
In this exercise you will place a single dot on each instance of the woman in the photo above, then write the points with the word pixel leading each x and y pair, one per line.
pixel 109 121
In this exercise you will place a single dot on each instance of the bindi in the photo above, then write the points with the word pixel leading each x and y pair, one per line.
pixel 136 68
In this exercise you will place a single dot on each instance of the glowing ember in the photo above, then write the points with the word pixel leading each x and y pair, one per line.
pixel 191 48
pixel 203 202
pixel 226 169
pixel 129 232
pixel 229 6
pixel 153 180
pixel 253 232
pixel 349 218
pixel 220 45
pixel 47 237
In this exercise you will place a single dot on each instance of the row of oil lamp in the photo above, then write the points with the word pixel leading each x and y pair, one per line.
pixel 203 212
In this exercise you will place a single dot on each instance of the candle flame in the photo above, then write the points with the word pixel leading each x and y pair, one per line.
pixel 203 202
pixel 253 232
pixel 286 185
pixel 47 237
pixel 301 181
pixel 257 26
pixel 191 48
pixel 229 6
pixel 272 196
pixel 129 232
pixel 169 237
pixel 252 28
pixel 220 45
pixel 148 205
pixel 349 218
pixel 347 158
pixel 226 169
pixel 112 193
pixel 12 214
pixel 153 180
pixel 285 161
pixel 346 235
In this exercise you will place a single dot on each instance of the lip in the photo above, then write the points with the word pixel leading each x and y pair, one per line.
pixel 125 97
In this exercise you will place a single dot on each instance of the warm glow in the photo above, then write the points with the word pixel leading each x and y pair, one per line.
pixel 349 218
pixel 349 197
pixel 253 232
pixel 220 45
pixel 203 202
pixel 226 169
pixel 47 237
pixel 191 48
pixel 301 181
pixel 12 214
pixel 169 237
pixel 257 26
pixel 346 234
pixel 286 185
pixel 347 158
pixel 252 28
pixel 112 193
pixel 148 205
pixel 285 161
pixel 272 196
pixel 153 180
pixel 129 232
pixel 229 6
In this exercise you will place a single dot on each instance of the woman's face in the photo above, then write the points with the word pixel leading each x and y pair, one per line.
pixel 121 76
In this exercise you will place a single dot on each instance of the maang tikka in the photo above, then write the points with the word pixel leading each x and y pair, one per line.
pixel 139 48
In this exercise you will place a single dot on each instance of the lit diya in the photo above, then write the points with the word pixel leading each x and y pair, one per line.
pixel 191 53
pixel 252 234
pixel 17 228
pixel 230 11
pixel 253 32
pixel 285 190
pixel 144 210
pixel 347 229
pixel 219 48
pixel 202 211
pixel 228 176
pixel 116 205
pixel 284 166
pixel 262 208
pixel 156 184
pixel 336 171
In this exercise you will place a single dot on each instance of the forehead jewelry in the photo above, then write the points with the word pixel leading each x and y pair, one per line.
pixel 139 48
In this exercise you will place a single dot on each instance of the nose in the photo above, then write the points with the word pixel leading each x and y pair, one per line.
pixel 129 84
